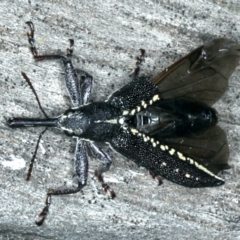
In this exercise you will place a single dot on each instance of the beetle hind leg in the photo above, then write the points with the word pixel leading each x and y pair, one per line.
pixel 139 61
pixel 98 173
pixel 104 166
pixel 157 177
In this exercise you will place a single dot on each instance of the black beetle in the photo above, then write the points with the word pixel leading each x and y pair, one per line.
pixel 164 123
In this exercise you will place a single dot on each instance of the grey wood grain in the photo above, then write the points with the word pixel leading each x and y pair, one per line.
pixel 107 37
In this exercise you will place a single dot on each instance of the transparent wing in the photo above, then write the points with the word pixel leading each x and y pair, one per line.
pixel 202 75
pixel 209 148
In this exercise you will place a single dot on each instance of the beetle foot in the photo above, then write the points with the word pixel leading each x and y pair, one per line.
pixel 105 186
pixel 157 177
pixel 44 212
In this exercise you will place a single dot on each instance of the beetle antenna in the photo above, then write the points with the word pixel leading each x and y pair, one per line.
pixel 34 92
pixel 34 155
pixel 40 136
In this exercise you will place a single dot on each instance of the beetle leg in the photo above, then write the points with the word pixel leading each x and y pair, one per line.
pixel 33 48
pixel 31 39
pixel 72 82
pixel 86 82
pixel 34 51
pixel 106 162
pixel 140 59
pixel 81 168
pixel 157 177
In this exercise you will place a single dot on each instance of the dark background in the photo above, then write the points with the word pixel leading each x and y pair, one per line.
pixel 107 37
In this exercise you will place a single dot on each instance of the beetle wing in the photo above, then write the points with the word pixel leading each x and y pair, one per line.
pixel 202 75
pixel 135 94
pixel 209 148
pixel 162 159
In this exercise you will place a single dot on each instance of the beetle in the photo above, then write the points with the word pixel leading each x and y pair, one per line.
pixel 164 123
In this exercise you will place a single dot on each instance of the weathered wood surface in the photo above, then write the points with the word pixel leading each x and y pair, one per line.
pixel 107 37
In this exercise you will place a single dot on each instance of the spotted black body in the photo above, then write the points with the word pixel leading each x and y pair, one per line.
pixel 164 123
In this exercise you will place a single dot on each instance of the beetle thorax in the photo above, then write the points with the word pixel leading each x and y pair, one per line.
pixel 74 122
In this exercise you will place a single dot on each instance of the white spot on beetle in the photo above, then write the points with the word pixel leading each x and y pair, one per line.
pixel 201 167
pixel 164 164
pixel 177 170
pixel 150 102
pixel 124 128
pixel 67 129
pixel 125 112
pixel 181 156
pixel 121 121
pixel 191 161
pixel 144 104
pixel 172 151
pixel 133 112
pixel 134 131
pixel 187 175
pixel 162 147
pixel 154 144
pixel 138 109
pixel 156 97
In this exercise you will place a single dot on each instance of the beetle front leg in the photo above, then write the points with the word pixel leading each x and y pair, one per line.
pixel 86 82
pixel 106 162
pixel 72 82
pixel 33 48
pixel 81 168
pixel 31 39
